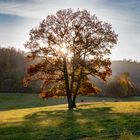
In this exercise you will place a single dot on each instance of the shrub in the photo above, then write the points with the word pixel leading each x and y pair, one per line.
pixel 121 86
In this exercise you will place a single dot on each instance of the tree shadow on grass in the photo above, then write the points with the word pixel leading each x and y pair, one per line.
pixel 61 124
pixel 92 123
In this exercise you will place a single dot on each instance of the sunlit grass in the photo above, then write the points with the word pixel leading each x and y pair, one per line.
pixel 29 117
pixel 90 121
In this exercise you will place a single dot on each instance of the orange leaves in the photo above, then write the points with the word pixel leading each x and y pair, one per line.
pixel 46 94
pixel 106 62
pixel 103 76
pixel 30 57
pixel 55 90
pixel 121 86
pixel 26 81
pixel 43 94
pixel 87 88
pixel 34 68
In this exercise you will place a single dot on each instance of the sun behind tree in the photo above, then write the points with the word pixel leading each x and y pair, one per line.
pixel 67 48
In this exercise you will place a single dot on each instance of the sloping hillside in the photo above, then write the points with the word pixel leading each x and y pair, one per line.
pixel 118 67
pixel 125 66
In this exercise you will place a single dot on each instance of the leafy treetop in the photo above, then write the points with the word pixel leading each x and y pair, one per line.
pixel 66 48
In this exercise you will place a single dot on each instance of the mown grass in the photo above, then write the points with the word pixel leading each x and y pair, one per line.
pixel 90 121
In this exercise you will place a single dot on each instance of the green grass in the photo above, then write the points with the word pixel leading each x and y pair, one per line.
pixel 27 117
pixel 11 101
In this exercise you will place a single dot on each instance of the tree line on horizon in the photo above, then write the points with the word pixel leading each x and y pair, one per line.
pixel 13 65
pixel 13 68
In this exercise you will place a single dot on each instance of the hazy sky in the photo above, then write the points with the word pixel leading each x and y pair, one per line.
pixel 17 17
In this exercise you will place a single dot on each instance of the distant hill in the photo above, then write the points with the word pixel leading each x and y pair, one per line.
pixel 133 68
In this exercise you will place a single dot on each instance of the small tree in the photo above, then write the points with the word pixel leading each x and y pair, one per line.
pixel 67 48
pixel 121 86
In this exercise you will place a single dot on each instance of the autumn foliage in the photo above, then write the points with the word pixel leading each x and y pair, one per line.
pixel 121 86
pixel 65 49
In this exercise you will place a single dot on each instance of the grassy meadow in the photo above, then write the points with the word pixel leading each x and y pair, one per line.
pixel 27 117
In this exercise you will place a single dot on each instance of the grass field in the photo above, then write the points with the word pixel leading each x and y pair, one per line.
pixel 27 117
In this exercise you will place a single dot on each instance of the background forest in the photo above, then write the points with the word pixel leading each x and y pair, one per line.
pixel 124 81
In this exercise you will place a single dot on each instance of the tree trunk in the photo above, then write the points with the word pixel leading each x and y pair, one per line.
pixel 74 101
pixel 78 85
pixel 77 89
pixel 70 103
pixel 68 93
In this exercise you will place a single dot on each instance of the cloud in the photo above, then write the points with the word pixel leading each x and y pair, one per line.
pixel 22 15
pixel 40 8
pixel 117 10
pixel 16 7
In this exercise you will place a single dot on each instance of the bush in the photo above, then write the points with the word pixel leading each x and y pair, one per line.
pixel 121 86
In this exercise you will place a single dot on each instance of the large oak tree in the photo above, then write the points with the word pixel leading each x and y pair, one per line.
pixel 66 48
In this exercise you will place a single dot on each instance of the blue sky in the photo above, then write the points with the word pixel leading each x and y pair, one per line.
pixel 17 17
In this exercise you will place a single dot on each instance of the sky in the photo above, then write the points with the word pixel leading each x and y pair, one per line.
pixel 17 17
